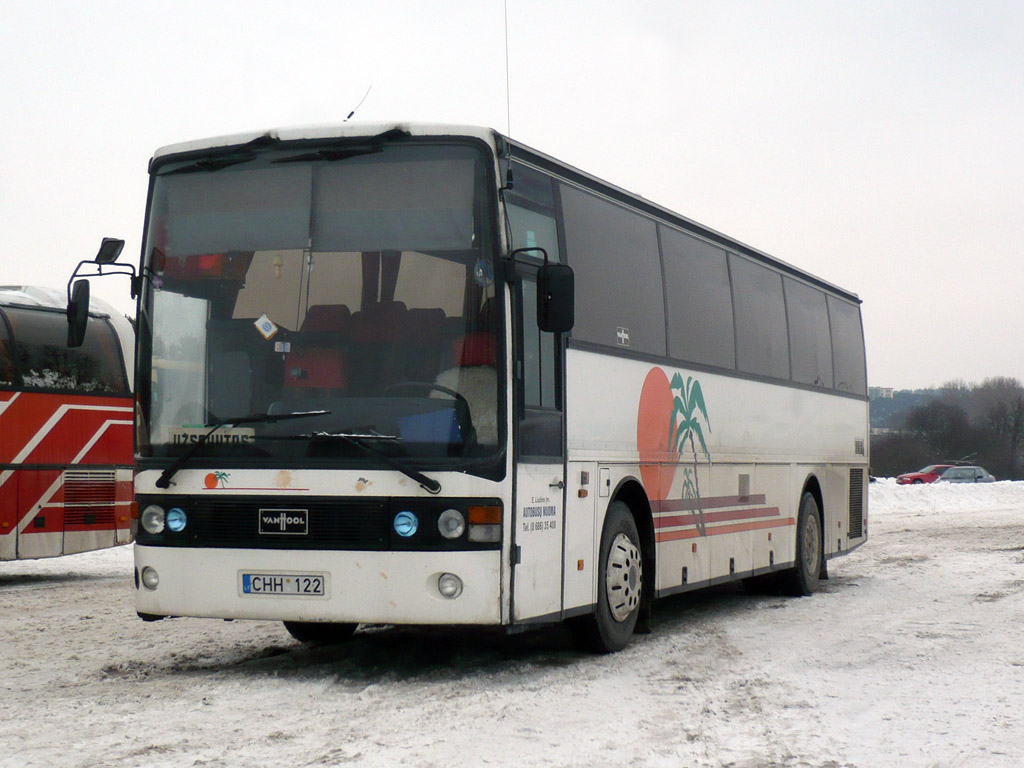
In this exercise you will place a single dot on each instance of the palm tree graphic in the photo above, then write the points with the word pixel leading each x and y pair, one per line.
pixel 688 413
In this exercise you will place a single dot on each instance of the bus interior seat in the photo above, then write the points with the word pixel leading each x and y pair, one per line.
pixel 377 333
pixel 426 345
pixel 315 365
pixel 474 376
pixel 231 382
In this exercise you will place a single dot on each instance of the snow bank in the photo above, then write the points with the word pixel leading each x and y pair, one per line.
pixel 886 497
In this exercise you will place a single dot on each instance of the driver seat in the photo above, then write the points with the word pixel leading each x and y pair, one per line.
pixel 473 375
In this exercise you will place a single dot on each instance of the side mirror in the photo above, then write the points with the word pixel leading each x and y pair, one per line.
pixel 556 298
pixel 78 313
pixel 110 249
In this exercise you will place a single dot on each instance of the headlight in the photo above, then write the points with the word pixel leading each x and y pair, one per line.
pixel 150 578
pixel 406 523
pixel 153 519
pixel 451 524
pixel 449 585
pixel 176 519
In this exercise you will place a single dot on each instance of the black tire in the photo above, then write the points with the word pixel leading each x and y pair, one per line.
pixel 619 586
pixel 918 482
pixel 802 579
pixel 319 632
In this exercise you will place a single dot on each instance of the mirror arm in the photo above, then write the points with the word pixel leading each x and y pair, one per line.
pixel 517 251
pixel 75 274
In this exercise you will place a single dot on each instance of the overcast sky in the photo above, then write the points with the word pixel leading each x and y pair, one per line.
pixel 877 145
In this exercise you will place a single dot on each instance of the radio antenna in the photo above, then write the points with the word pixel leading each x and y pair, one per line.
pixel 508 100
pixel 358 105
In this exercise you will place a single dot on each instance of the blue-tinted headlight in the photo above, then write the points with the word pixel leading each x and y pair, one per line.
pixel 176 519
pixel 406 523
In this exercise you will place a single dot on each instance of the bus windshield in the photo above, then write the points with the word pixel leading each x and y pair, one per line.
pixel 354 285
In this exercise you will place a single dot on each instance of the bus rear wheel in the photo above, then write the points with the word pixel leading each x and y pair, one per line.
pixel 619 586
pixel 803 579
pixel 319 632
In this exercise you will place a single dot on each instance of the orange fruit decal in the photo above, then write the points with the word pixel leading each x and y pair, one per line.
pixel 653 422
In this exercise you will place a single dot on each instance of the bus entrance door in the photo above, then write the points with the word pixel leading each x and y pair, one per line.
pixel 540 467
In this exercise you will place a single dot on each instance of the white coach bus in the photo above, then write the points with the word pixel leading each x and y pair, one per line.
pixel 415 374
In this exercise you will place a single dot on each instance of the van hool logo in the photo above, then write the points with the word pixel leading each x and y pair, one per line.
pixel 290 521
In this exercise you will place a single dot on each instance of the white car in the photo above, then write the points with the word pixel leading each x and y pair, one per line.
pixel 966 475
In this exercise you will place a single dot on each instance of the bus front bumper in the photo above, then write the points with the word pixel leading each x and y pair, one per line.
pixel 336 586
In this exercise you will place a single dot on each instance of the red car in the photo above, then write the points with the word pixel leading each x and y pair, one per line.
pixel 928 474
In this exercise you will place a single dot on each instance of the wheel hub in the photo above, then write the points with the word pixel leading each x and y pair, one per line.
pixel 623 578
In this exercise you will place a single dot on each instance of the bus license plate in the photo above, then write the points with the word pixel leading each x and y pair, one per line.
pixel 298 584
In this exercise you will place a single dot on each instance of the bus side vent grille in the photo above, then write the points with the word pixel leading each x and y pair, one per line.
pixel 89 496
pixel 858 447
pixel 856 528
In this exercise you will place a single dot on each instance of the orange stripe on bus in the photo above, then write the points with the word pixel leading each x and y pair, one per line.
pixel 715 517
pixel 693 533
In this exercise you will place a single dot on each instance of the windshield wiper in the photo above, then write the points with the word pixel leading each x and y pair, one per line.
pixel 356 438
pixel 214 163
pixel 330 155
pixel 352 148
pixel 164 480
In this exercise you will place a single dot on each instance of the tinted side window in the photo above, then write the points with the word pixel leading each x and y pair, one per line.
pixel 538 354
pixel 614 253
pixel 810 344
pixel 530 207
pixel 6 356
pixel 43 360
pixel 847 346
pixel 762 346
pixel 699 302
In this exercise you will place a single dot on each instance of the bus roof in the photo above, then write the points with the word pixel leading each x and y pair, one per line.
pixel 498 142
pixel 326 132
pixel 49 298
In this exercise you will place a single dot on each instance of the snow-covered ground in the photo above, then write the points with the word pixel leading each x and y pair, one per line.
pixel 912 654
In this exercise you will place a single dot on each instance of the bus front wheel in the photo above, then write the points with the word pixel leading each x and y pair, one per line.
pixel 319 632
pixel 619 586
pixel 803 579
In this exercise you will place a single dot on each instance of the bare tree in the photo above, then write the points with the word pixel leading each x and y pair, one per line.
pixel 999 402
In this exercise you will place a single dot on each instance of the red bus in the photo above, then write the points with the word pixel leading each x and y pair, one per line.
pixel 65 427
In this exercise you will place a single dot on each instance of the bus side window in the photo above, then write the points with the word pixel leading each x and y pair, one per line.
pixel 847 346
pixel 45 362
pixel 530 207
pixel 6 355
pixel 539 383
pixel 541 426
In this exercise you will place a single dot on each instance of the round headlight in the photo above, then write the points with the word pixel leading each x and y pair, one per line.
pixel 152 519
pixel 406 523
pixel 150 578
pixel 451 524
pixel 176 519
pixel 449 585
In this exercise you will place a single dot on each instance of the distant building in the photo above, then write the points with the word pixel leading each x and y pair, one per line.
pixel 882 393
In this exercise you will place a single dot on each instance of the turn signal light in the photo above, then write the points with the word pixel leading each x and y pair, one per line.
pixel 485 515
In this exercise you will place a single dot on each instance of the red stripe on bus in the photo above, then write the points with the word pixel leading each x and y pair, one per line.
pixel 715 517
pixel 23 420
pixel 693 533
pixel 709 502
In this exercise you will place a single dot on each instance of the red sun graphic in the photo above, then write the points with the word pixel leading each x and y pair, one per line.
pixel 657 460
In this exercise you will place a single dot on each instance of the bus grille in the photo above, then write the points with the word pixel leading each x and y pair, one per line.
pixel 333 524
pixel 89 496
pixel 856 528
